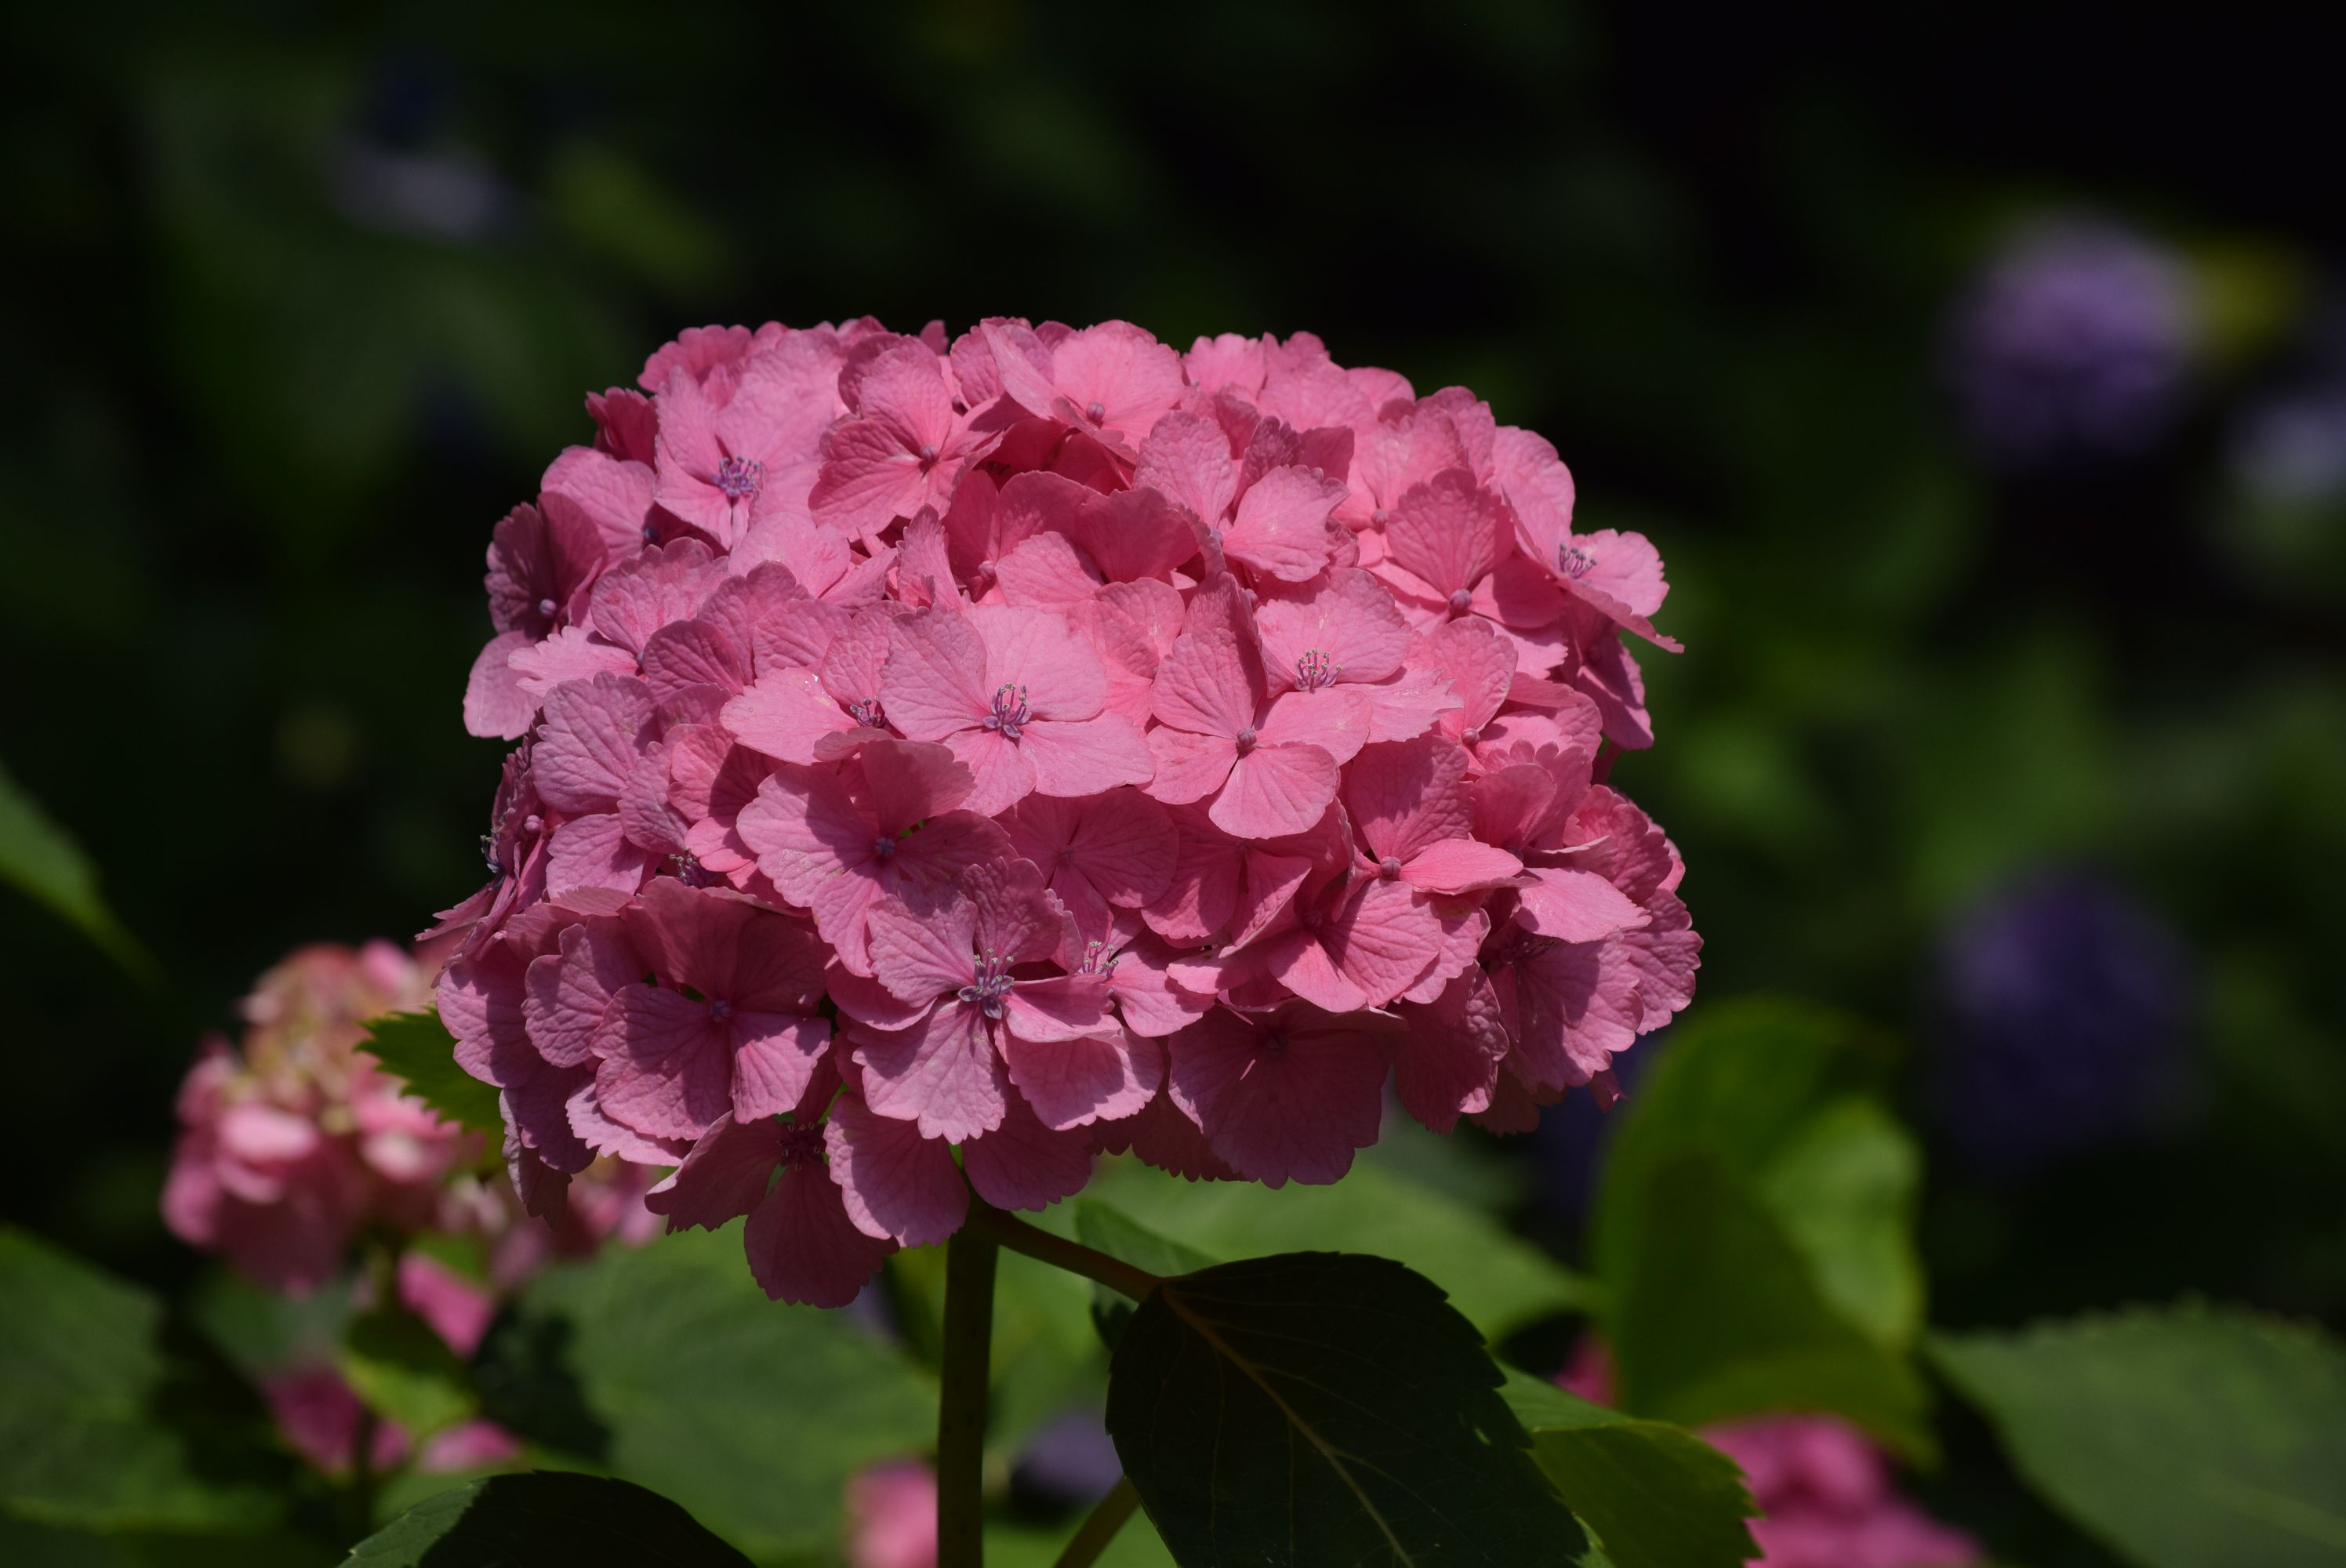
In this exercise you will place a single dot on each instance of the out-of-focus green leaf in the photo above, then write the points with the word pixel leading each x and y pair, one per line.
pixel 1754 1229
pixel 1117 1235
pixel 40 859
pixel 667 1366
pixel 1498 1280
pixel 403 1370
pixel 1015 1546
pixel 2184 1438
pixel 108 1421
pixel 545 1519
pixel 1326 1409
pixel 417 1049
pixel 1655 1495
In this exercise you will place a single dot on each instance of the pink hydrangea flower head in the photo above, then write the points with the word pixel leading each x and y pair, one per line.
pixel 1127 750
pixel 291 1144
pixel 891 1517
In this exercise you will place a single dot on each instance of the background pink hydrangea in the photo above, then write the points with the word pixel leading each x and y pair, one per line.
pixel 1827 1498
pixel 1039 742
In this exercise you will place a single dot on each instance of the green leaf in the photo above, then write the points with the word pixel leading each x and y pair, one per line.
pixel 112 1418
pixel 667 1366
pixel 2184 1438
pixel 1655 1495
pixel 1498 1280
pixel 40 859
pixel 545 1519
pixel 1754 1231
pixel 417 1049
pixel 1325 1408
pixel 403 1370
pixel 1099 1226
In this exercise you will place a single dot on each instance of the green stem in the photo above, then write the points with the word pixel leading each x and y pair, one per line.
pixel 1060 1253
pixel 968 1338
pixel 1100 1525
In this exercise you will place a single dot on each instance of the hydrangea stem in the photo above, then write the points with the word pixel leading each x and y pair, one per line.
pixel 968 1337
pixel 1100 1527
pixel 1015 1234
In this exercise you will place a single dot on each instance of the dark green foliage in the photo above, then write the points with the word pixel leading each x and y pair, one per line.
pixel 1319 1408
pixel 545 1519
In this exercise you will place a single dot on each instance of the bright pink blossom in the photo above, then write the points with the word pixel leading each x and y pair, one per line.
pixel 1131 750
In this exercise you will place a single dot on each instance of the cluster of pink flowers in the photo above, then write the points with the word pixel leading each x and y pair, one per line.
pixel 1826 1495
pixel 1040 743
pixel 296 1144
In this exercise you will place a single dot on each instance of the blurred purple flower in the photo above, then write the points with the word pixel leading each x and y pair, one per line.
pixel 1069 1461
pixel 2289 447
pixel 2075 344
pixel 2064 1007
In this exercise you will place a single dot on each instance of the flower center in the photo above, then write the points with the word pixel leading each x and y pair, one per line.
pixel 690 872
pixel 489 853
pixel 547 607
pixel 989 985
pixel 883 848
pixel 1460 600
pixel 1316 669
pixel 1573 561
pixel 801 1144
pixel 1390 868
pixel 1009 715
pixel 866 712
pixel 1099 958
pixel 741 477
pixel 928 453
pixel 1095 412
pixel 1472 736
pixel 721 1011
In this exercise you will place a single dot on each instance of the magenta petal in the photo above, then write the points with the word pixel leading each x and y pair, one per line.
pixel 775 1058
pixel 785 713
pixel 495 703
pixel 1284 1100
pixel 724 1177
pixel 1086 756
pixel 1275 790
pixel 1023 1164
pixel 667 1069
pixel 803 1248
pixel 1449 1063
pixel 1084 1078
pixel 1334 718
pixel 898 1186
pixel 942 1073
pixel 1188 767
pixel 1577 906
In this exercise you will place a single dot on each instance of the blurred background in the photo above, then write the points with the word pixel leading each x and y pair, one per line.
pixel 1984 389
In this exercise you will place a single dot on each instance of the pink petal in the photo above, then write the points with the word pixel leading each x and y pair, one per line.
pixel 496 705
pixel 921 955
pixel 1456 867
pixel 935 681
pixel 1023 1164
pixel 911 783
pixel 1282 526
pixel 723 1177
pixel 942 1074
pixel 1449 532
pixel 775 1058
pixel 690 653
pixel 1086 756
pixel 568 992
pixel 1000 772
pixel 1273 791
pixel 593 853
pixel 590 742
pixel 1334 718
pixel 1187 459
pixel 1280 1101
pixel 667 1070
pixel 784 713
pixel 1185 766
pixel 1046 571
pixel 1575 906
pixel 1449 1063
pixel 897 1184
pixel 1347 617
pixel 1212 681
pixel 803 1248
